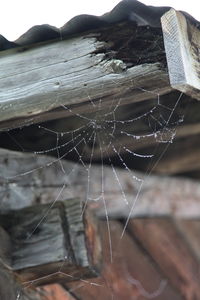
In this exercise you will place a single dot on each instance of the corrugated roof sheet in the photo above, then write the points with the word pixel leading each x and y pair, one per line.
pixel 125 10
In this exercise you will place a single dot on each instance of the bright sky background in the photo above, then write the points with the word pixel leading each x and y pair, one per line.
pixel 17 16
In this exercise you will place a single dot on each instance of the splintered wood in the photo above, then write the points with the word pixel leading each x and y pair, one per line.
pixel 36 81
pixel 10 285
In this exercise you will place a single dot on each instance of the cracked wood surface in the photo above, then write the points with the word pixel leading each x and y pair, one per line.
pixel 41 178
pixel 181 40
pixel 36 81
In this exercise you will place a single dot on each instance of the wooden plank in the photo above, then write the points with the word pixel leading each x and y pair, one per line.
pixel 5 248
pixel 182 157
pixel 181 39
pixel 182 137
pixel 132 274
pixel 171 252
pixel 41 179
pixel 35 82
pixel 188 107
pixel 53 243
pixel 190 230
pixel 54 292
pixel 10 288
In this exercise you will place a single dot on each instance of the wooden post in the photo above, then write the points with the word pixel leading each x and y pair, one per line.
pixel 181 40
pixel 52 243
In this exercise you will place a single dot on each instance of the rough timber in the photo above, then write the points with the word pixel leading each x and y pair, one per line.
pixel 181 39
pixel 36 81
pixel 44 183
pixel 51 242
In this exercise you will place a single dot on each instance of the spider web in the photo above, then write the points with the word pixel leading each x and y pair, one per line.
pixel 98 133
pixel 109 139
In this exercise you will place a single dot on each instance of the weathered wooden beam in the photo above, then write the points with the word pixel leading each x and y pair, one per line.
pixel 190 230
pixel 10 287
pixel 51 243
pixel 35 82
pixel 41 179
pixel 54 292
pixel 184 124
pixel 131 274
pixel 181 157
pixel 174 256
pixel 183 135
pixel 181 40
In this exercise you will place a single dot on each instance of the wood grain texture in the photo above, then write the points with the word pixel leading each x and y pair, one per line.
pixel 41 179
pixel 190 230
pixel 132 274
pixel 50 243
pixel 11 289
pixel 36 81
pixel 10 285
pixel 54 292
pixel 181 40
pixel 171 252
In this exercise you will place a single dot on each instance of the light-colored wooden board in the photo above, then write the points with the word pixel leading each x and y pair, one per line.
pixel 38 80
pixel 181 40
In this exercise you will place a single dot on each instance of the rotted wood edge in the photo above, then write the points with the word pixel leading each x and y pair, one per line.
pixel 76 73
pixel 181 40
pixel 52 243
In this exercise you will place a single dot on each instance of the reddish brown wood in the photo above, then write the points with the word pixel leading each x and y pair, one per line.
pixel 130 275
pixel 54 292
pixel 162 240
pixel 52 243
pixel 191 231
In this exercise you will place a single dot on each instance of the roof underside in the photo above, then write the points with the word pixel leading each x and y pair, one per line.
pixel 126 10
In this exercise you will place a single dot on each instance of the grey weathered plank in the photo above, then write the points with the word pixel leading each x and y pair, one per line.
pixel 5 248
pixel 181 40
pixel 10 288
pixel 52 242
pixel 159 196
pixel 34 82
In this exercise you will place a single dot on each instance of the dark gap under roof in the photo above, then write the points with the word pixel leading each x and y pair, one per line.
pixel 126 10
